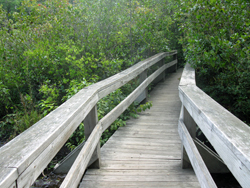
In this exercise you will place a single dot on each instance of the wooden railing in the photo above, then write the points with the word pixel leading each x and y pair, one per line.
pixel 24 158
pixel 229 136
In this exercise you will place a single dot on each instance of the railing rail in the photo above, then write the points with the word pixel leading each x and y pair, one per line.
pixel 24 158
pixel 228 135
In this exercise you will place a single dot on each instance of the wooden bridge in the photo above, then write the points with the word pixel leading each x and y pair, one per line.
pixel 159 149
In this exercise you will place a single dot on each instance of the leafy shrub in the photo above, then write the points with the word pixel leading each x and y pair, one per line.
pixel 216 43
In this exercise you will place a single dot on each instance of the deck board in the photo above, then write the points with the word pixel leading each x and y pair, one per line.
pixel 147 151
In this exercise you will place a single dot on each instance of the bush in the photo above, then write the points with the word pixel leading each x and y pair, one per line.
pixel 216 43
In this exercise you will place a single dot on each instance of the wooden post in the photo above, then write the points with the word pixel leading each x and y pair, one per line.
pixel 89 124
pixel 144 94
pixel 175 58
pixel 191 127
pixel 163 75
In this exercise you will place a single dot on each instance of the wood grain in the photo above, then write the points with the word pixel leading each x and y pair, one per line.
pixel 228 135
pixel 147 151
pixel 39 144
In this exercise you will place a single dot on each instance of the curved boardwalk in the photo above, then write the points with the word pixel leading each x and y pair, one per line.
pixel 147 151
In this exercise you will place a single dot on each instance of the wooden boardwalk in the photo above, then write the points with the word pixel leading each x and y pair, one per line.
pixel 147 151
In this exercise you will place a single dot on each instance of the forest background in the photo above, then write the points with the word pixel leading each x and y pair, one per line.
pixel 51 49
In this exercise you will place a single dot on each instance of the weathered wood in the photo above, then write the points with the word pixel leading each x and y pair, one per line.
pixel 201 171
pixel 89 124
pixel 191 127
pixel 14 185
pixel 148 172
pixel 142 164
pixel 188 76
pixel 145 150
pixel 40 143
pixel 8 176
pixel 75 173
pixel 105 122
pixel 165 177
pixel 228 135
pixel 144 94
pixel 63 166
pixel 118 80
pixel 161 77
pixel 211 159
pixel 34 169
pixel 136 184
pixel 119 109
pixel 158 148
pixel 163 151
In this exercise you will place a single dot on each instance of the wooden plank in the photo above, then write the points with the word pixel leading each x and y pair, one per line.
pixel 36 139
pixel 142 143
pixel 211 159
pixel 228 135
pixel 201 171
pixel 34 169
pixel 171 162
pixel 166 177
pixel 144 94
pixel 137 134
pixel 116 81
pixel 105 123
pixel 143 151
pixel 89 124
pixel 157 123
pixel 154 113
pixel 78 168
pixel 141 147
pixel 129 156
pixel 147 130
pixel 138 123
pixel 142 164
pixel 119 109
pixel 188 76
pixel 141 128
pixel 8 176
pixel 133 184
pixel 160 140
pixel 14 185
pixel 33 141
pixel 64 165
pixel 148 172
pixel 121 151
pixel 160 119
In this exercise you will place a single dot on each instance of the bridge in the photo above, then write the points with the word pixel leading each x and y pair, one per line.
pixel 158 149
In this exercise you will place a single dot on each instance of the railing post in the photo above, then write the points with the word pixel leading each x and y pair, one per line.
pixel 143 76
pixel 163 74
pixel 173 68
pixel 191 127
pixel 89 124
pixel 175 58
pixel 161 77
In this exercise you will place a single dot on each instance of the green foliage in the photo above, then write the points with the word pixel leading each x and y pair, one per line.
pixel 104 106
pixel 19 121
pixel 10 5
pixel 216 42
pixel 51 49
pixel 49 99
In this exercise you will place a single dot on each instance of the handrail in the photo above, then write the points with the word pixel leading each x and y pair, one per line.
pixel 228 135
pixel 24 158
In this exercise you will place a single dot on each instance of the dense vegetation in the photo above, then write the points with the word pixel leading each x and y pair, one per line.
pixel 217 43
pixel 50 49
pixel 53 48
